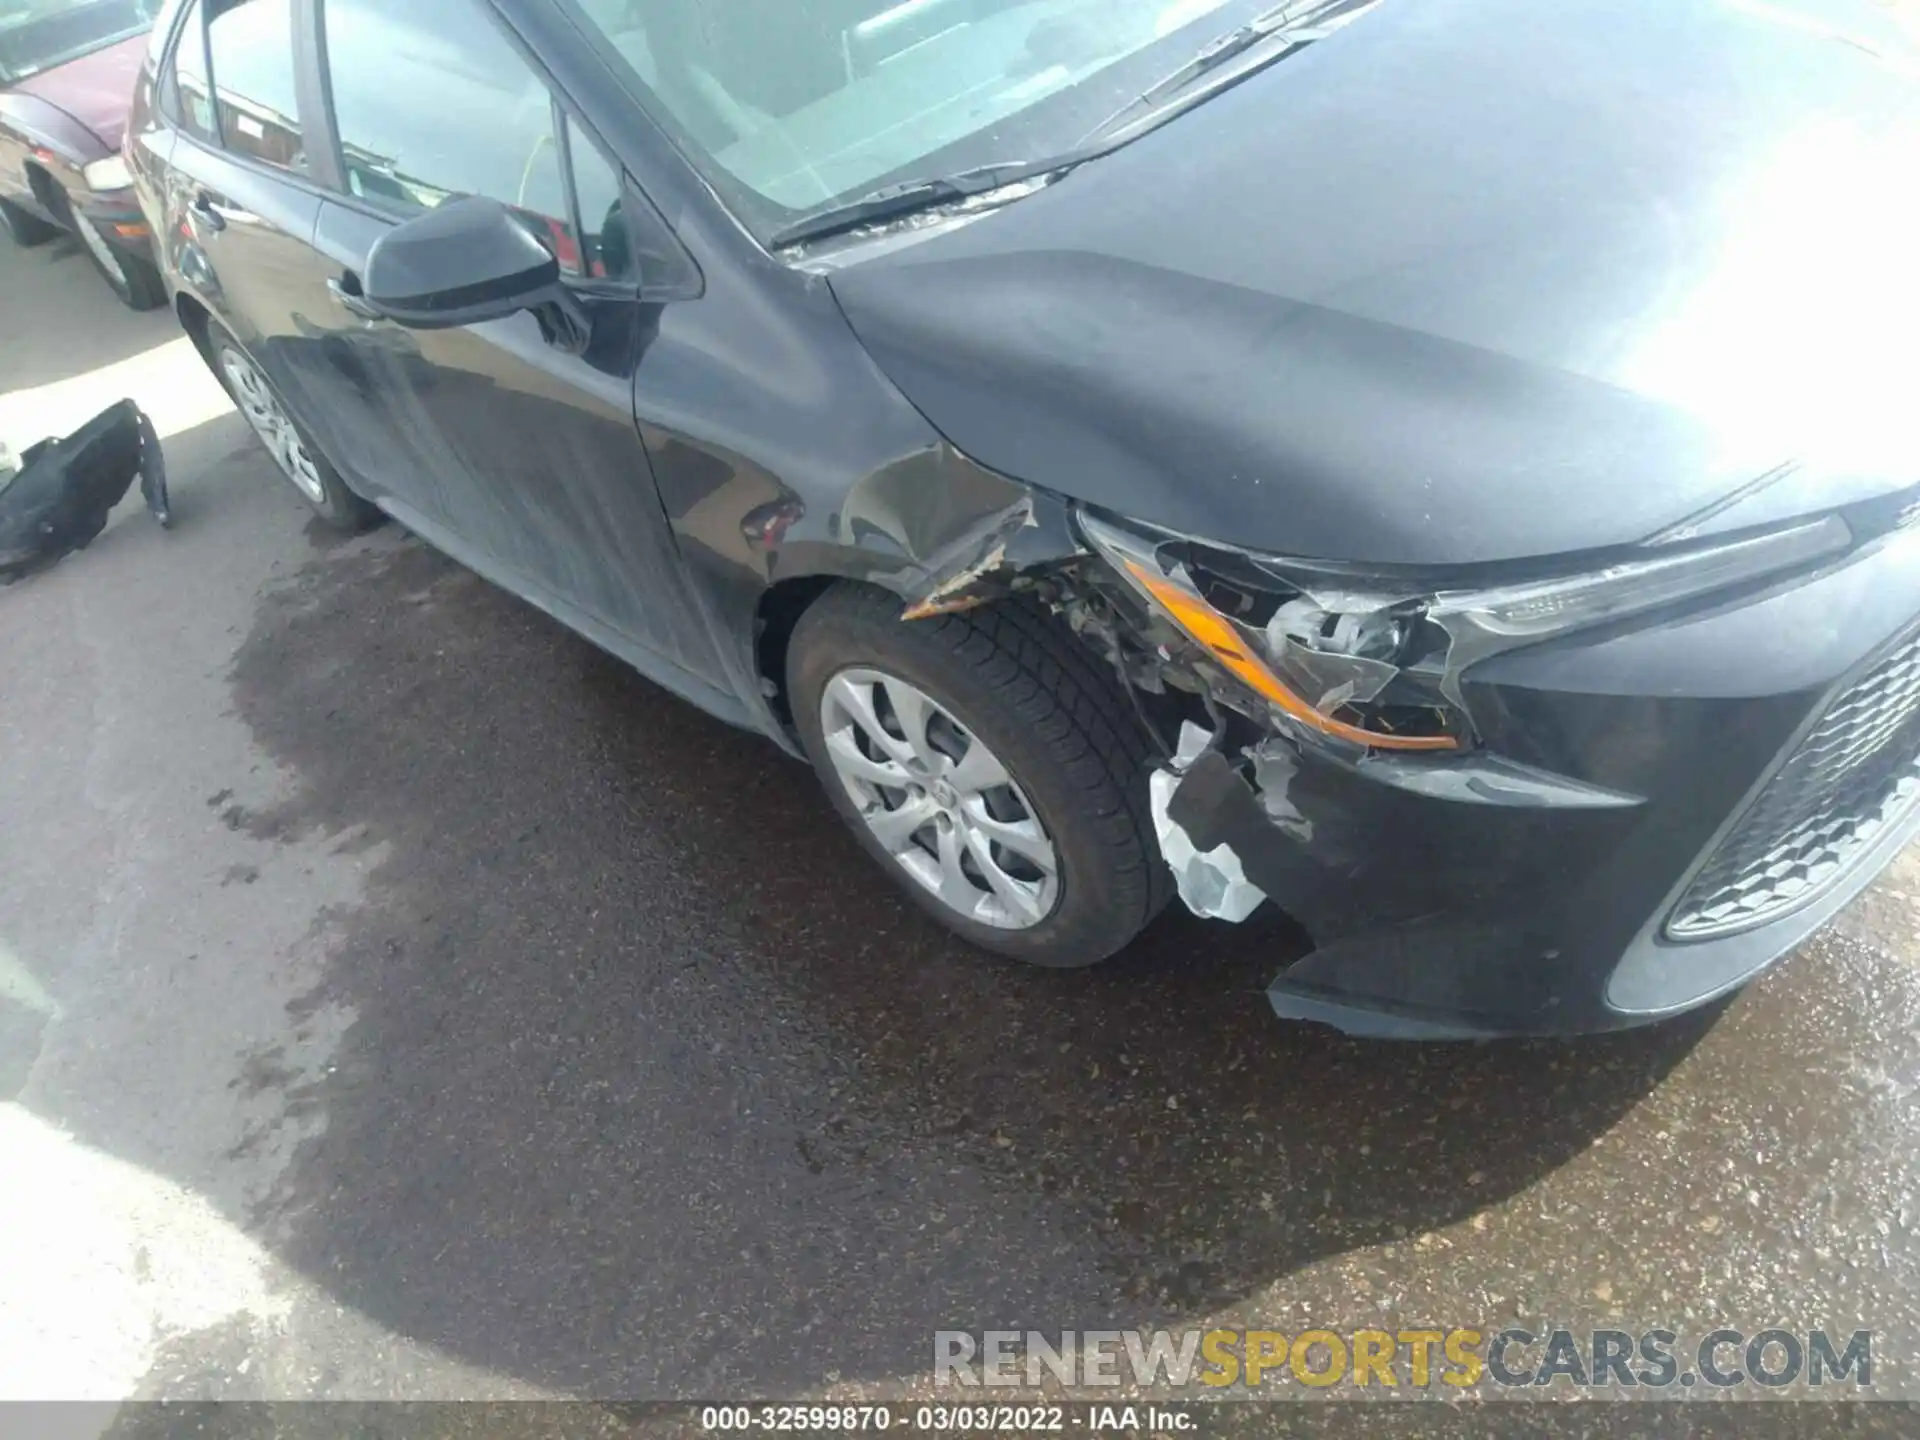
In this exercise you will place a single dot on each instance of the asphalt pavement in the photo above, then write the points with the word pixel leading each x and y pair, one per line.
pixel 401 999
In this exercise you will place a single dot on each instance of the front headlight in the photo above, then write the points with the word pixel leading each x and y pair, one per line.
pixel 108 174
pixel 1377 663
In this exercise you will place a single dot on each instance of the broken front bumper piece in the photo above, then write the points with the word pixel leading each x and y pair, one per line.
pixel 56 497
pixel 1593 795
pixel 1528 887
pixel 1212 882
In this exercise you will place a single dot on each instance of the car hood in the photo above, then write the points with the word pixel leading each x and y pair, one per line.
pixel 1468 280
pixel 96 90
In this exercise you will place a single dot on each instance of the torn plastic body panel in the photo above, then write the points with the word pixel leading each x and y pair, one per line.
pixel 1506 884
pixel 58 499
pixel 967 572
pixel 1492 883
pixel 1213 882
pixel 1021 548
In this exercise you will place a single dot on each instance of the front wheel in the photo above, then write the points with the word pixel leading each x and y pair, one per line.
pixel 989 764
pixel 317 482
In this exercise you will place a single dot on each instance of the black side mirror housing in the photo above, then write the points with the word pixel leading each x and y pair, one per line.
pixel 466 262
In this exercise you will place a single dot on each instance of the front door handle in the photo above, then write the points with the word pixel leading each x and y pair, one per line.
pixel 346 293
pixel 209 212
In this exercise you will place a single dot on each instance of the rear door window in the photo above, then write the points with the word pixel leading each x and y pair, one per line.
pixel 189 93
pixel 251 44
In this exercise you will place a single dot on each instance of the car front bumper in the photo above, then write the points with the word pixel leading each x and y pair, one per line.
pixel 1535 888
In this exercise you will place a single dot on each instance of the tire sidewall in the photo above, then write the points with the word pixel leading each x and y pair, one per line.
pixel 119 284
pixel 1081 929
pixel 122 284
pixel 145 289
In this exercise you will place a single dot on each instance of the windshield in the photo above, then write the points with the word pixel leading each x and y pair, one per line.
pixel 37 35
pixel 792 108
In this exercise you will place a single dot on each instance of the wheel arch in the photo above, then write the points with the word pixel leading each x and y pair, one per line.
pixel 936 531
pixel 776 615
pixel 46 190
pixel 194 319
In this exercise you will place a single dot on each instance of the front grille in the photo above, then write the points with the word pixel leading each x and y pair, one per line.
pixel 1856 773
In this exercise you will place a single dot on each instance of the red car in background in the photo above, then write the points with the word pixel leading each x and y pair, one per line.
pixel 67 72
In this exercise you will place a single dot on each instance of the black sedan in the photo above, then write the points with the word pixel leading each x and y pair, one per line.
pixel 1445 468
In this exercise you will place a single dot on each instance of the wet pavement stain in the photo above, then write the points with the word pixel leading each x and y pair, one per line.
pixel 658 1088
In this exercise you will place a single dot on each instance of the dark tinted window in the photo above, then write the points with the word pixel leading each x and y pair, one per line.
pixel 188 93
pixel 625 237
pixel 252 47
pixel 432 101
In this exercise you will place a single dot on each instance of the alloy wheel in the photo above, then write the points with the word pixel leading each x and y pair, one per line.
pixel 271 423
pixel 939 801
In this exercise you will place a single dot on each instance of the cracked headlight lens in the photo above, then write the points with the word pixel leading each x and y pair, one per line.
pixel 1378 664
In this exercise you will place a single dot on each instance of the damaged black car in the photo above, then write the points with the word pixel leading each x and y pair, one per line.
pixel 1445 468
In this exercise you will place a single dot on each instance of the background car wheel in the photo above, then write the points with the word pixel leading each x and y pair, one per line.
pixel 317 482
pixel 990 764
pixel 23 229
pixel 134 278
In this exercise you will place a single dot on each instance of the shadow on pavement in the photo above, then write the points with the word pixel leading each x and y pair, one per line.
pixel 658 1088
pixel 62 321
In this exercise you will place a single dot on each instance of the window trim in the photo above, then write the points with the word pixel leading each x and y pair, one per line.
pixel 639 207
pixel 217 148
pixel 169 108
pixel 172 108
pixel 267 167
pixel 311 77
pixel 569 182
pixel 324 177
pixel 565 123
pixel 327 122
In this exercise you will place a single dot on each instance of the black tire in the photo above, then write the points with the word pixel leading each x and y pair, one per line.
pixel 23 229
pixel 1055 717
pixel 337 504
pixel 138 285
pixel 145 290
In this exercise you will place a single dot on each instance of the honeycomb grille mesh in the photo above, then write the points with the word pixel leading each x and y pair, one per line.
pixel 1856 773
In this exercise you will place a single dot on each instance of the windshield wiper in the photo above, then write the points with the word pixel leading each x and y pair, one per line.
pixel 1294 23
pixel 891 202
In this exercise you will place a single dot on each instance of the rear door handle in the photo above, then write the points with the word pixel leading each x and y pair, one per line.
pixel 209 212
pixel 346 291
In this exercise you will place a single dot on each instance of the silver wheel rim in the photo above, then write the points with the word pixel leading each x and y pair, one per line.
pixel 99 248
pixel 262 409
pixel 939 801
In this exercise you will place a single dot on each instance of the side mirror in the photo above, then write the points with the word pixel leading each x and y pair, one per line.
pixel 467 262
